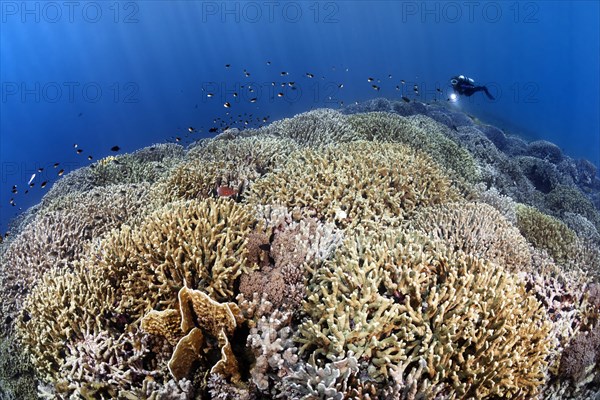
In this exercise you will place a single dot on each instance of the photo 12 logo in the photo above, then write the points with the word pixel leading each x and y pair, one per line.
pixel 326 12
pixel 69 92
pixel 469 11
pixel 52 12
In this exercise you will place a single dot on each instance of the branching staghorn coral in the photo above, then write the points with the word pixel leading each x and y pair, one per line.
pixel 63 308
pixel 478 229
pixel 546 232
pixel 356 183
pixel 314 128
pixel 145 165
pixel 419 132
pixel 396 298
pixel 233 164
pixel 59 235
pixel 200 242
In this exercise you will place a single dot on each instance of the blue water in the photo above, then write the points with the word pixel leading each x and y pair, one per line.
pixel 100 74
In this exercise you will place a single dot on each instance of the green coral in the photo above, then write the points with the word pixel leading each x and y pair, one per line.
pixel 546 232
pixel 563 199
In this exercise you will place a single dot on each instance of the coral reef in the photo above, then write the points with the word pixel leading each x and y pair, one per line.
pixel 58 235
pixel 419 132
pixel 394 250
pixel 314 128
pixel 477 229
pixel 397 298
pixel 356 183
pixel 547 233
pixel 199 242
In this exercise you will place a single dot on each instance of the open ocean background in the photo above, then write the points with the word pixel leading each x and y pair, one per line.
pixel 129 74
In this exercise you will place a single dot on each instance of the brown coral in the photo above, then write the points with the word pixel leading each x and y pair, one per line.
pixel 200 317
pixel 314 128
pixel 59 235
pixel 546 232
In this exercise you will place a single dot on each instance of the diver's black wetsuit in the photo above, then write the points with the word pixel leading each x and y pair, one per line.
pixel 465 86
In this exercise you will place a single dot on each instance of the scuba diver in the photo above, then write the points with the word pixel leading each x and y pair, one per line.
pixel 463 85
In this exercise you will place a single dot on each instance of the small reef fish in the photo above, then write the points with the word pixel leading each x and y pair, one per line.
pixel 62 171
pixel 31 179
pixel 115 148
pixel 226 191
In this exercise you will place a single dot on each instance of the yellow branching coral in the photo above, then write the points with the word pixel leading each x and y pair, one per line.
pixel 201 243
pixel 419 132
pixel 356 183
pixel 315 128
pixel 395 299
pixel 63 308
pixel 234 164
pixel 478 229
pixel 58 235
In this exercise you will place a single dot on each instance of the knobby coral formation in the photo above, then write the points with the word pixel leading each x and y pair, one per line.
pixel 327 255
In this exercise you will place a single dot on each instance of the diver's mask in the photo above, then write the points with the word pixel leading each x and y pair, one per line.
pixel 453 81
